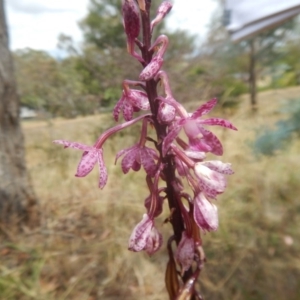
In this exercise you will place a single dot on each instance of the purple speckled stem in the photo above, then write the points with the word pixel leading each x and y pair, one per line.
pixel 172 190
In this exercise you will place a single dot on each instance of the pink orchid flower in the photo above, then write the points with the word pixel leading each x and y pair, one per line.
pixel 131 101
pixel 136 156
pixel 200 139
pixel 145 236
pixel 90 157
pixel 210 175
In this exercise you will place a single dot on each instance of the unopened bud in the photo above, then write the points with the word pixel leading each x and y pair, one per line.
pixel 131 19
pixel 162 10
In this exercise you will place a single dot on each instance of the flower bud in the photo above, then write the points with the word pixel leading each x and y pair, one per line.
pixel 162 10
pixel 131 19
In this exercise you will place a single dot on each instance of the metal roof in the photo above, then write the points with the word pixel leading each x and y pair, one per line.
pixel 245 18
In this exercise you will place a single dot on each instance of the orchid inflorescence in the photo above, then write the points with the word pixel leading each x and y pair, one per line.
pixel 168 159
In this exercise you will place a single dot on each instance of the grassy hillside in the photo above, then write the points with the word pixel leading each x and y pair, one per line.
pixel 80 249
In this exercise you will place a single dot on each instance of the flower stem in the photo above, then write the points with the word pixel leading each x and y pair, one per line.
pixel 173 190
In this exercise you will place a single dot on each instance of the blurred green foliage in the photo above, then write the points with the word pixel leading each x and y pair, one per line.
pixel 49 85
pixel 88 79
pixel 269 140
pixel 103 24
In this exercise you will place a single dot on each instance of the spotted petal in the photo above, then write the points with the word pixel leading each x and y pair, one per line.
pixel 166 113
pixel 140 234
pixel 195 155
pixel 199 144
pixel 219 122
pixel 211 140
pixel 205 213
pixel 152 68
pixel 117 109
pixel 154 241
pixel 147 160
pixel 87 163
pixel 129 160
pixel 102 169
pixel 73 145
pixel 219 166
pixel 169 139
pixel 211 182
pixel 127 110
pixel 139 99
pixel 124 151
pixel 204 109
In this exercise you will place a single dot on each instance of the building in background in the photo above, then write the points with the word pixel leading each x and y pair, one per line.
pixel 246 18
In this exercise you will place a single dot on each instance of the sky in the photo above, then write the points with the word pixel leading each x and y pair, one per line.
pixel 37 24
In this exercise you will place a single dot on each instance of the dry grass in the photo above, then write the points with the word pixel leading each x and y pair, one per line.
pixel 80 250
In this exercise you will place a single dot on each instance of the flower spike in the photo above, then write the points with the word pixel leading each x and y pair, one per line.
pixel 174 151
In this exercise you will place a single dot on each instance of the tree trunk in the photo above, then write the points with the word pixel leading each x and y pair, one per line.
pixel 17 198
pixel 252 76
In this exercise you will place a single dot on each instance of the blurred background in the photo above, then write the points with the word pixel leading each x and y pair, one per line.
pixel 70 59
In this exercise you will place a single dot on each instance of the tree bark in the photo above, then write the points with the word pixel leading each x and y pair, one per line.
pixel 17 199
pixel 252 76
